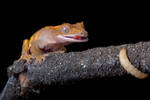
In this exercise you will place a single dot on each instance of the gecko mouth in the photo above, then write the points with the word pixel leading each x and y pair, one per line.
pixel 77 37
pixel 74 38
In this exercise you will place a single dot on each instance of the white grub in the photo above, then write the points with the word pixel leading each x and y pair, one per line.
pixel 126 64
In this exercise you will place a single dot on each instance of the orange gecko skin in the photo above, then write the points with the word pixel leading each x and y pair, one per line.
pixel 52 39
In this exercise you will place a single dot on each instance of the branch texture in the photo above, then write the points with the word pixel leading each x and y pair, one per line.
pixel 73 66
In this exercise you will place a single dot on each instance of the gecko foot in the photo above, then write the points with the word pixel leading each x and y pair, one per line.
pixel 39 59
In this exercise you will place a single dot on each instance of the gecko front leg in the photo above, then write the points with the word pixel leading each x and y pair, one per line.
pixel 41 56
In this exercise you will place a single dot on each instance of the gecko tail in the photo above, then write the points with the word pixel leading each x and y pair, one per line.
pixel 126 64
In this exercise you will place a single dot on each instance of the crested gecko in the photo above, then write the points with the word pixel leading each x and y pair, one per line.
pixel 52 39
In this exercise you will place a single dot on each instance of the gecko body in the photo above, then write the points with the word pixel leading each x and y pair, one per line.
pixel 52 39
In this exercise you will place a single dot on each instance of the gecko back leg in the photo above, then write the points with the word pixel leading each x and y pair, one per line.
pixel 25 54
pixel 25 47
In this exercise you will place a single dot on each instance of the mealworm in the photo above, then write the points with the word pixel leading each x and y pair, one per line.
pixel 126 64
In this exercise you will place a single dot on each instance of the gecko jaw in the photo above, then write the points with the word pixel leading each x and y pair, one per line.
pixel 73 38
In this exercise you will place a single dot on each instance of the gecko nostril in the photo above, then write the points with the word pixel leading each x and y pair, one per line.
pixel 83 33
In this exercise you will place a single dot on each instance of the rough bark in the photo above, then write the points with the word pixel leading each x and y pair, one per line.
pixel 100 62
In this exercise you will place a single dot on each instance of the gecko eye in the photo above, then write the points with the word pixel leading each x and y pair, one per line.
pixel 65 29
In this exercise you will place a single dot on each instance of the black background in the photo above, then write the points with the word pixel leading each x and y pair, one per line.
pixel 109 23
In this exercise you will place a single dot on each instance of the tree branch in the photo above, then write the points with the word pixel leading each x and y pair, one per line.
pixel 73 66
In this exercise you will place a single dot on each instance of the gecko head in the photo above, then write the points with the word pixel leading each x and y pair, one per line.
pixel 73 33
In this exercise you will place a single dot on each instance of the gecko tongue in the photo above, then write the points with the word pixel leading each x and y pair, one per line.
pixel 78 37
